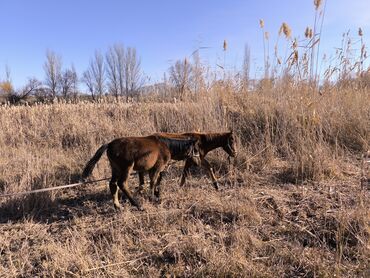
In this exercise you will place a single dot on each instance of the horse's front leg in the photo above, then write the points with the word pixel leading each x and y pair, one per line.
pixel 185 172
pixel 155 176
pixel 206 165
pixel 157 191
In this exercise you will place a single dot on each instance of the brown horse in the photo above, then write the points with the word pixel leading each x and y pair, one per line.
pixel 135 153
pixel 207 143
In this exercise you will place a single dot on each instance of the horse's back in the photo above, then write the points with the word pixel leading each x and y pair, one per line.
pixel 183 136
pixel 141 152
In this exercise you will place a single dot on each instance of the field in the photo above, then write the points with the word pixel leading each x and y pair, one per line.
pixel 290 204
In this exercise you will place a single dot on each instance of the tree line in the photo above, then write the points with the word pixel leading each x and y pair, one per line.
pixel 117 72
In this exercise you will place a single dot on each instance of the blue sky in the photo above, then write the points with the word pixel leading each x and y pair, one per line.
pixel 161 31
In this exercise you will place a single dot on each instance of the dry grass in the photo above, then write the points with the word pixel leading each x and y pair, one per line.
pixel 291 205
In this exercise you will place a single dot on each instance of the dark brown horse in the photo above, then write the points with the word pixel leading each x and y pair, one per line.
pixel 179 149
pixel 142 154
pixel 207 142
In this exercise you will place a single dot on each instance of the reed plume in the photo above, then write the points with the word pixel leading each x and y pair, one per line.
pixel 308 33
pixel 360 33
pixel 285 29
pixel 317 4
pixel 262 23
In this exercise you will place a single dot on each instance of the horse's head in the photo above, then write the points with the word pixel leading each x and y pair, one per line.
pixel 230 144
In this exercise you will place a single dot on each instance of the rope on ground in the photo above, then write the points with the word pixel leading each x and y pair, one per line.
pixel 238 167
pixel 99 180
pixel 114 264
pixel 51 188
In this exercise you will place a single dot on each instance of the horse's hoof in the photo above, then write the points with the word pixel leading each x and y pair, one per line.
pixel 215 185
pixel 139 191
pixel 140 208
pixel 118 208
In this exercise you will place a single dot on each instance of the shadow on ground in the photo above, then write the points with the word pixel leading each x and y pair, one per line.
pixel 49 207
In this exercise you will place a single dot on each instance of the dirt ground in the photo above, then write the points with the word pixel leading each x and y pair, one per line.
pixel 254 226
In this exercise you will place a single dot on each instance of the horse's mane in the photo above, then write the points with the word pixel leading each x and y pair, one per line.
pixel 215 137
pixel 179 143
pixel 177 146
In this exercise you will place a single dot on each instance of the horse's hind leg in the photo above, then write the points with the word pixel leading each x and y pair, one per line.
pixel 122 183
pixel 141 182
pixel 114 190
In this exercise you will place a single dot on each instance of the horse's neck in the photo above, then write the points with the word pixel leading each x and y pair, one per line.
pixel 214 141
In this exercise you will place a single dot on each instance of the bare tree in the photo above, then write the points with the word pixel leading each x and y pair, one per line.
pixel 75 80
pixel 7 74
pixel 119 51
pixel 132 73
pixel 32 85
pixel 94 76
pixel 123 68
pixel 6 86
pixel 246 67
pixel 52 68
pixel 198 73
pixel 180 76
pixel 68 82
pixel 41 94
pixel 98 71
pixel 113 72
pixel 87 78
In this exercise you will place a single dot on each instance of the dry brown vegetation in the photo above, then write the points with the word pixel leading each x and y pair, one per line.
pixel 290 205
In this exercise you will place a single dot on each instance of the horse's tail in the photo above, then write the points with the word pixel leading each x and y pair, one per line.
pixel 91 164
